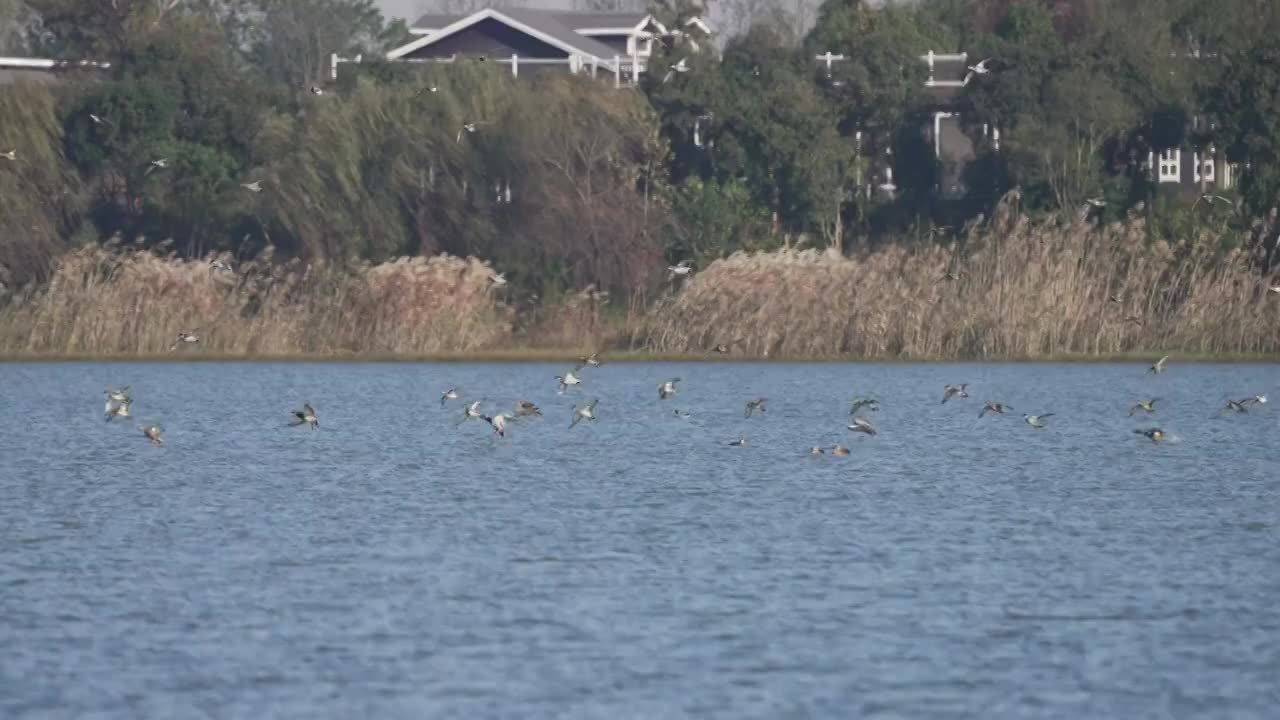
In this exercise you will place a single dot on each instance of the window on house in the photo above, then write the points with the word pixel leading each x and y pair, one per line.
pixel 1170 165
pixel 1204 167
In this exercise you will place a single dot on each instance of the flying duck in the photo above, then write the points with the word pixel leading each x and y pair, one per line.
pixel 447 395
pixel 1147 406
pixel 305 416
pixel 153 433
pixel 1037 421
pixel 524 408
pixel 117 408
pixel 471 411
pixel 567 380
pixel 993 407
pixel 954 391
pixel 1154 434
pixel 498 423
pixel 584 411
pixel 1239 406
pixel 862 425
pixel 184 338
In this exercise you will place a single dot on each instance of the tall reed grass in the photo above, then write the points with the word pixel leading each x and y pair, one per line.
pixel 107 301
pixel 1011 289
pixel 1018 289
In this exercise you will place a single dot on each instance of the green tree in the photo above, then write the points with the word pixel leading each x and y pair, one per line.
pixel 291 41
pixel 175 96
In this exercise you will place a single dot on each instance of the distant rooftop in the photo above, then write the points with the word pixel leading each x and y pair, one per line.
pixel 572 19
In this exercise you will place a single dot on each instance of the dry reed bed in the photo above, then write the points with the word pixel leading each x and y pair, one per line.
pixel 1023 290
pixel 110 302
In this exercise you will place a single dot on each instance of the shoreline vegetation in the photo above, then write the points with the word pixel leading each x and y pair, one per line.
pixel 212 181
pixel 521 355
pixel 1011 289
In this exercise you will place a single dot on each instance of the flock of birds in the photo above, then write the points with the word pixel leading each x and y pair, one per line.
pixel 119 401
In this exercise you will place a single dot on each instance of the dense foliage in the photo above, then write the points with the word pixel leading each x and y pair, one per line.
pixel 567 182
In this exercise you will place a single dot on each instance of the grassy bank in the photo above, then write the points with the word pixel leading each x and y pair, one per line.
pixel 533 355
pixel 108 302
pixel 1014 290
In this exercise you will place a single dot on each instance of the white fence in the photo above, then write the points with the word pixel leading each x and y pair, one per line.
pixel 626 69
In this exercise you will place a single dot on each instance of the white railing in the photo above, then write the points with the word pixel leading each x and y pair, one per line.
pixel 44 64
pixel 622 66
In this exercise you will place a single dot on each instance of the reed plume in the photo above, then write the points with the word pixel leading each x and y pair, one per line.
pixel 1017 289
pixel 109 301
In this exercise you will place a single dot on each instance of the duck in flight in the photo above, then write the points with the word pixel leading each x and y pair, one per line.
pixel 306 416
pixel 469 128
pixel 1153 434
pixel 1240 406
pixel 993 407
pixel 117 408
pixel 471 411
pixel 977 70
pixel 754 405
pixel 584 411
pixel 524 408
pixel 1148 406
pixel 1159 366
pixel 498 423
pixel 954 391
pixel 681 269
pixel 1037 421
pixel 567 380
pixel 447 395
pixel 592 360
pixel 184 338
pixel 667 389
pixel 153 433
pixel 862 425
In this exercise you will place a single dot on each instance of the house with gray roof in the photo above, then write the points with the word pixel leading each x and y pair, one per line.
pixel 619 43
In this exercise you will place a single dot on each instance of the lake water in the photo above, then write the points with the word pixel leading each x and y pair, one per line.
pixel 392 565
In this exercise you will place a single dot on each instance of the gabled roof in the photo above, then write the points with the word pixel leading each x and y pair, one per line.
pixel 576 20
pixel 539 24
pixel 432 22
pixel 582 21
